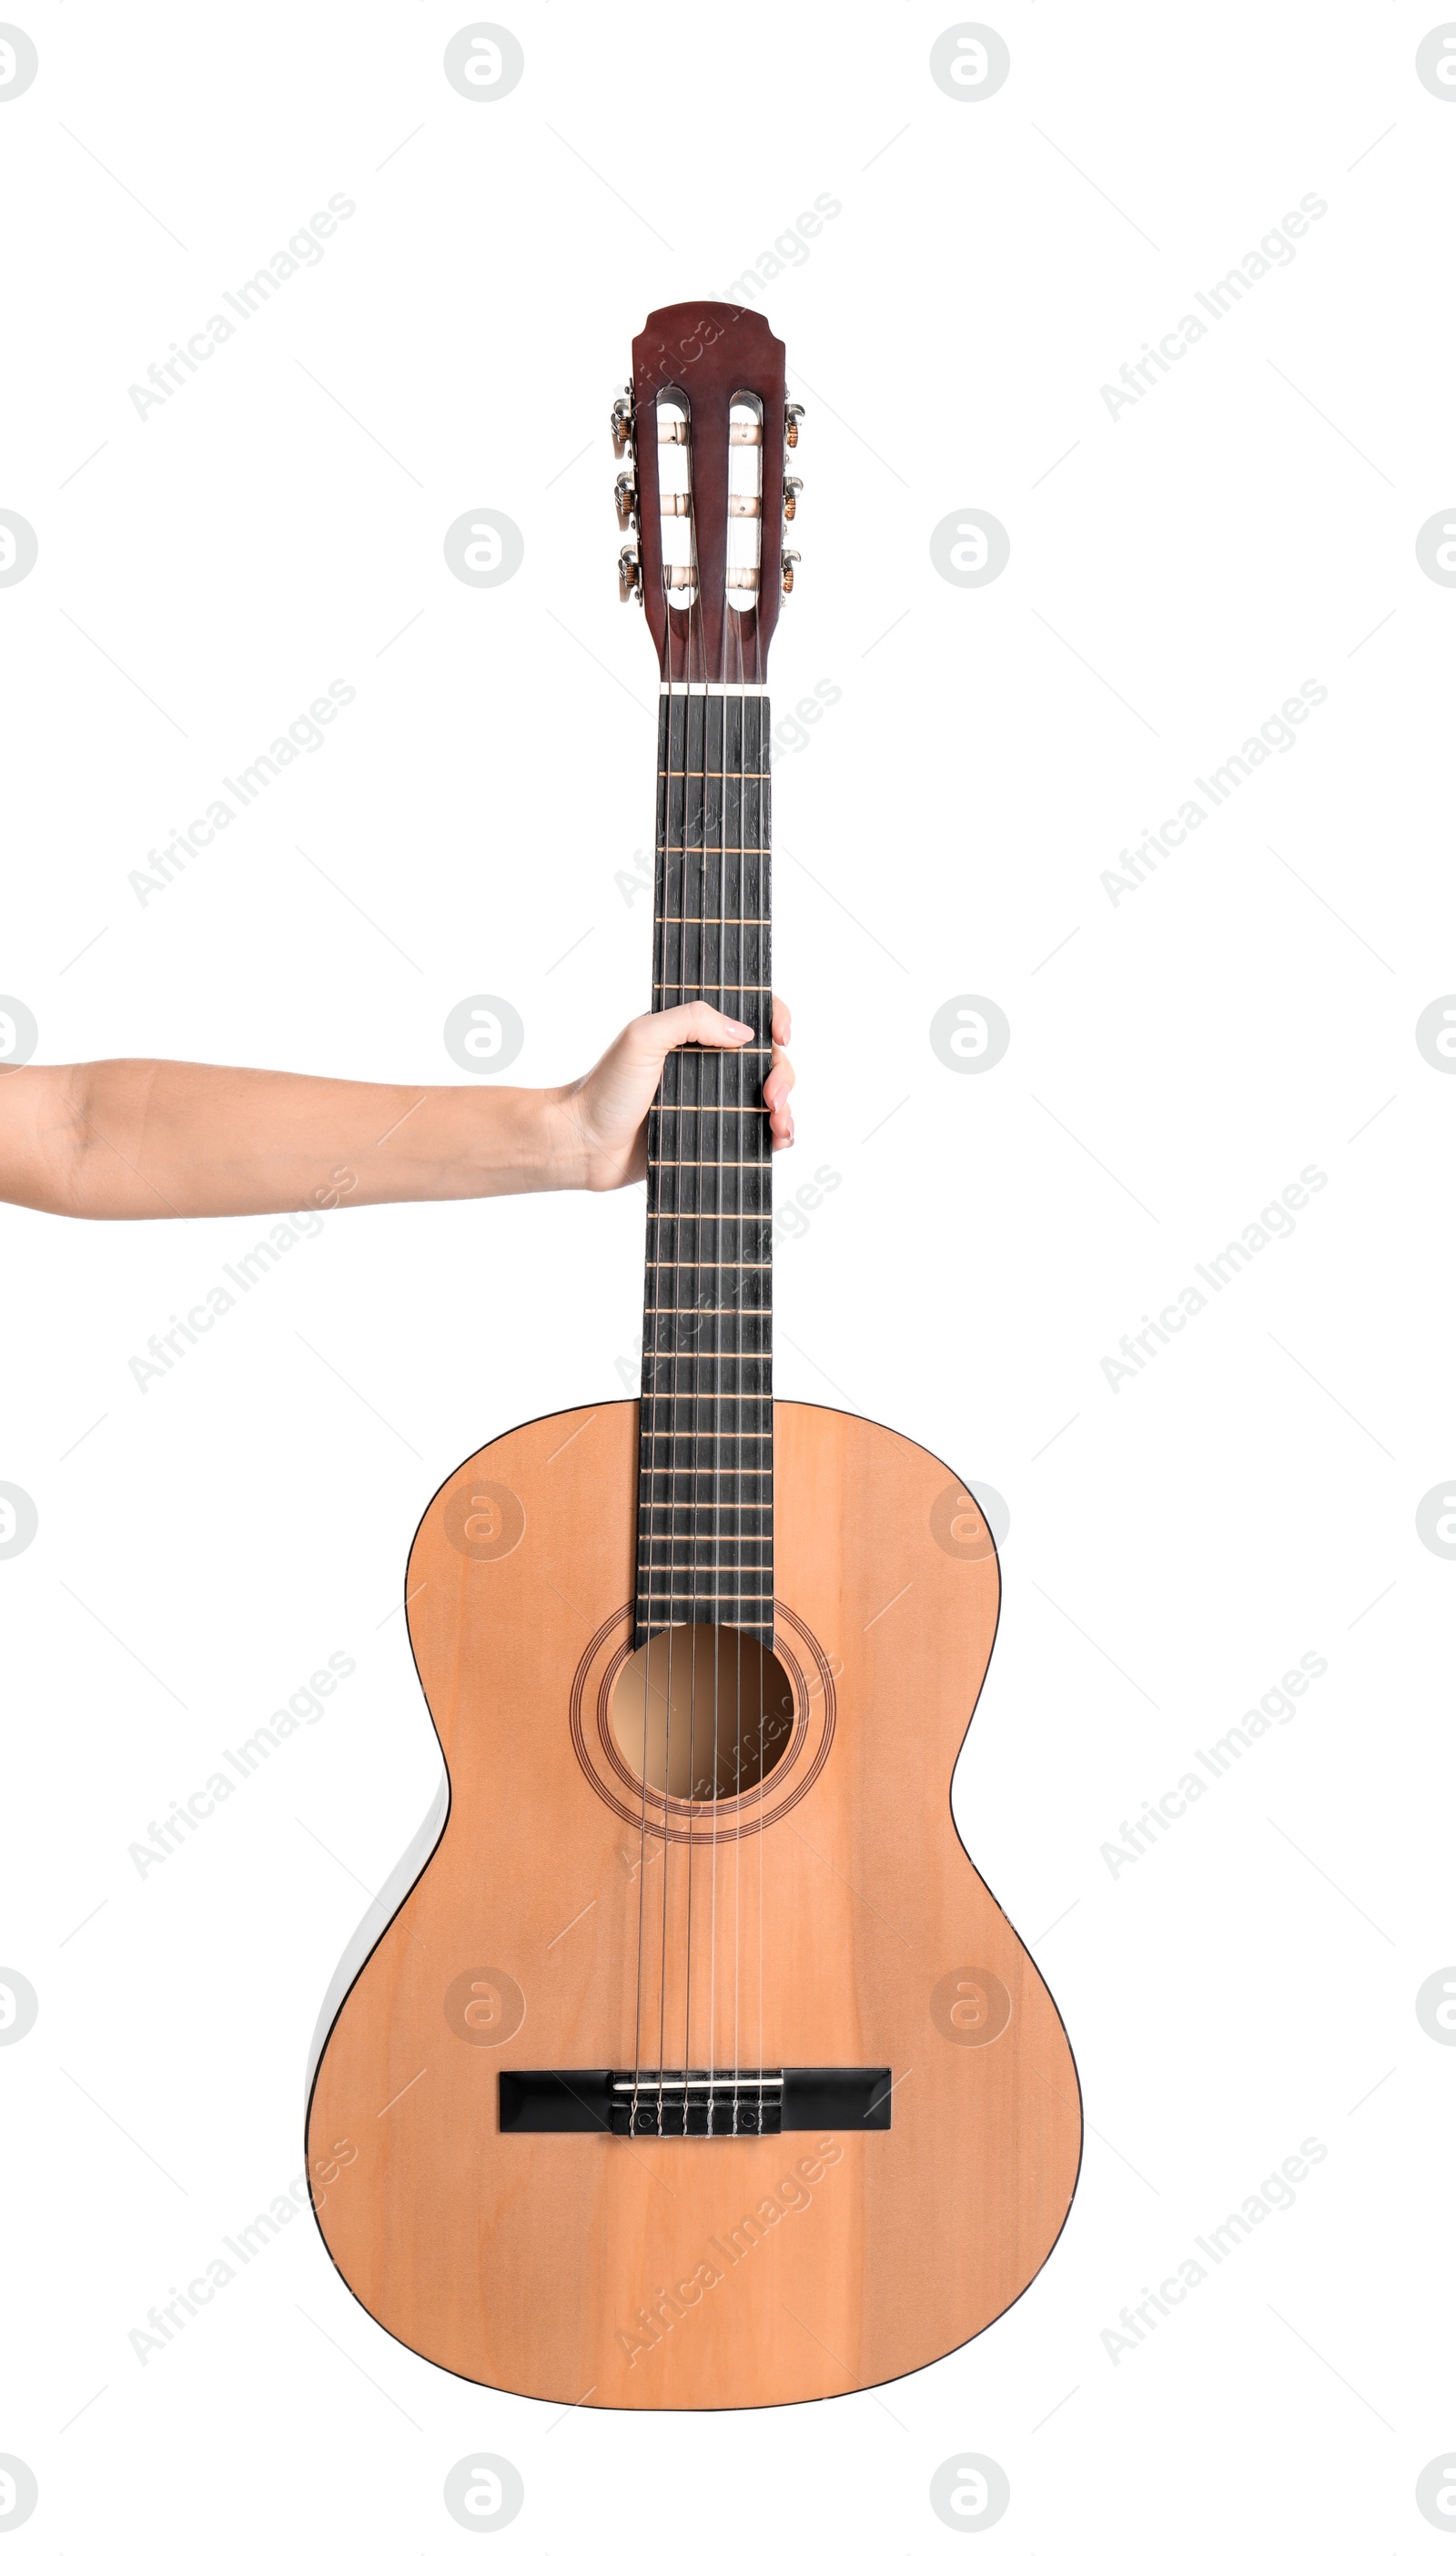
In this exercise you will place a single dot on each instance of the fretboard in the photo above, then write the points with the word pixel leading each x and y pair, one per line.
pixel 705 1514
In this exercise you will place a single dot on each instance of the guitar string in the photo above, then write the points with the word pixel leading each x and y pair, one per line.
pixel 766 798
pixel 676 1068
pixel 720 1147
pixel 669 1077
pixel 767 1184
pixel 731 1250
pixel 696 628
pixel 715 1153
pixel 693 1476
pixel 755 1139
pixel 692 1536
pixel 690 1539
pixel 646 1415
pixel 739 1274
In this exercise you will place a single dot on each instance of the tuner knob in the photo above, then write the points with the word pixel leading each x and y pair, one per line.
pixel 629 576
pixel 625 494
pixel 622 424
pixel 790 562
pixel 792 415
pixel 793 488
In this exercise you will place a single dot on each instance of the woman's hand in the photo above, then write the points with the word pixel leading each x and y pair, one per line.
pixel 602 1121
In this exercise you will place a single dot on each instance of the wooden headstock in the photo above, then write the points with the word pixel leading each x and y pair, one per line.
pixel 706 422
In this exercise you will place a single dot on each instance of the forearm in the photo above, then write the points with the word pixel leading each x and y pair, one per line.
pixel 135 1138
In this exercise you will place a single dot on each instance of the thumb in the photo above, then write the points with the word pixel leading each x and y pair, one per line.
pixel 655 1034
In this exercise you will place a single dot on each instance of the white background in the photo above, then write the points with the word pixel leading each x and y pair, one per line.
pixel 1175 1545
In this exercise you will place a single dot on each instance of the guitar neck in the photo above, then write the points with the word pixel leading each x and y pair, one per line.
pixel 705 1515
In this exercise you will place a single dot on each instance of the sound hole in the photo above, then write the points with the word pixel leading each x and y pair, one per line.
pixel 702 1712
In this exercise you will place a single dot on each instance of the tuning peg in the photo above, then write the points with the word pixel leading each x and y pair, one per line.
pixel 625 494
pixel 622 424
pixel 792 415
pixel 629 575
pixel 792 489
pixel 790 562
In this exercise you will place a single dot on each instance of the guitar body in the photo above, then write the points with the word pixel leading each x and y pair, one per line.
pixel 835 1922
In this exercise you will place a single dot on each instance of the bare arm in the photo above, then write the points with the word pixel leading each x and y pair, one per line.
pixel 135 1138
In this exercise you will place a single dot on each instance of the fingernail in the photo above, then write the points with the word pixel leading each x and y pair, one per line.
pixel 741 1029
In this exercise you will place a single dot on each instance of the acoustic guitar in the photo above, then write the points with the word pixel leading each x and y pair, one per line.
pixel 698 2067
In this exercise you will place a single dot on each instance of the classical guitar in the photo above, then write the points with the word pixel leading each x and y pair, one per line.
pixel 698 2067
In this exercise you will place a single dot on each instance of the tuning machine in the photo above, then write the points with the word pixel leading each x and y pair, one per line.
pixel 792 415
pixel 622 424
pixel 789 564
pixel 629 575
pixel 625 494
pixel 793 490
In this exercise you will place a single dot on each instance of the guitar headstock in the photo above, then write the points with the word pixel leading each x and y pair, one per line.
pixel 706 423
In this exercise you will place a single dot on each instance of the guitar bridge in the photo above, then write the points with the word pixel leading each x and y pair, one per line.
pixel 695 2102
